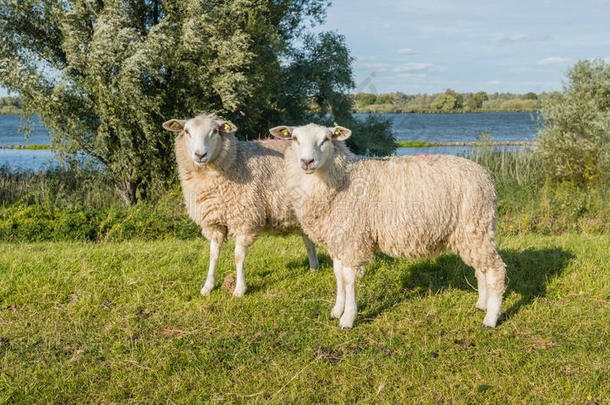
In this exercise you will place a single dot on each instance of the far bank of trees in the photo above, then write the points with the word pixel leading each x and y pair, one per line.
pixel 10 105
pixel 448 102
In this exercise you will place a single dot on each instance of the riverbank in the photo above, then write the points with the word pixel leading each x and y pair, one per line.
pixel 27 147
pixel 394 109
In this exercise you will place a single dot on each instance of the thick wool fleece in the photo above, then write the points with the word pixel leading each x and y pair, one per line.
pixel 241 193
pixel 404 207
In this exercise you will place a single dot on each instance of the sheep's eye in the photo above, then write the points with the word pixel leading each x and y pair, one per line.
pixel 186 131
pixel 296 140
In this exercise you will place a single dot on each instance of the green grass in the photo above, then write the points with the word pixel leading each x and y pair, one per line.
pixel 33 146
pixel 124 322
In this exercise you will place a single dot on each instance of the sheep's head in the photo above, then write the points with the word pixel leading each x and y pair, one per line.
pixel 312 143
pixel 202 136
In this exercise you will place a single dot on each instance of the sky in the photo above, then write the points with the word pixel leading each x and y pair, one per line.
pixel 494 46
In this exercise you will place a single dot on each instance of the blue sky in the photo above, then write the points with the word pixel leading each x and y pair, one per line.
pixel 506 46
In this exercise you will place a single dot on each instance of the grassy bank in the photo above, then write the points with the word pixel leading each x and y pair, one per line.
pixel 68 205
pixel 123 322
pixel 26 147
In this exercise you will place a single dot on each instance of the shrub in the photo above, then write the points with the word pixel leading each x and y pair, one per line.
pixel 575 142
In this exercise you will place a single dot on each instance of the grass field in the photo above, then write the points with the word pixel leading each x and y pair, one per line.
pixel 124 322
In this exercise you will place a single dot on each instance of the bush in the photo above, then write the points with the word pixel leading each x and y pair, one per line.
pixel 575 142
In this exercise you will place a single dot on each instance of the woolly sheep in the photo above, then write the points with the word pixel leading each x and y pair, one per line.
pixel 404 207
pixel 232 188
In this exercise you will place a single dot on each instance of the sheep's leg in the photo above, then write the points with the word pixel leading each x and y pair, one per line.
pixel 211 278
pixel 340 300
pixel 482 287
pixel 349 314
pixel 240 256
pixel 495 288
pixel 311 253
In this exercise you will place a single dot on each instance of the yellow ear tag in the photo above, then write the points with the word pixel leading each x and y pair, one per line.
pixel 227 127
pixel 176 125
pixel 284 131
pixel 337 132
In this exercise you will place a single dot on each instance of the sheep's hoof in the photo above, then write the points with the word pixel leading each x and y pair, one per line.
pixel 314 268
pixel 490 321
pixel 239 292
pixel 206 290
pixel 346 322
pixel 481 307
pixel 336 313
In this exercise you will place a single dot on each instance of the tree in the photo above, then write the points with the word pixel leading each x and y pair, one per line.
pixel 365 99
pixel 575 141
pixel 384 99
pixel 476 101
pixel 530 96
pixel 103 76
pixel 444 103
pixel 459 99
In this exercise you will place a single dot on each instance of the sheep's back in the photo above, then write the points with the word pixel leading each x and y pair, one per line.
pixel 409 206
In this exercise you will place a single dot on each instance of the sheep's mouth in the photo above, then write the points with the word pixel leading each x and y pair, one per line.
pixel 308 170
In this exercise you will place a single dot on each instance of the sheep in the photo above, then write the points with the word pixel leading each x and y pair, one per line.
pixel 232 188
pixel 401 206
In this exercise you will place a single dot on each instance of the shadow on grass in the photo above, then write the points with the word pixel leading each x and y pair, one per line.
pixel 528 274
pixel 303 263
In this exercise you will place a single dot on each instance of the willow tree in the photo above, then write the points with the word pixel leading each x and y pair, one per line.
pixel 103 75
pixel 574 144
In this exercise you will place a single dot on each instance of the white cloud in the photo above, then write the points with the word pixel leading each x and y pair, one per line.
pixel 406 51
pixel 411 75
pixel 494 82
pixel 412 66
pixel 520 70
pixel 523 38
pixel 553 60
pixel 374 66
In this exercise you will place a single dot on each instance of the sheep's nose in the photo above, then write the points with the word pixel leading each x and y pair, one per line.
pixel 307 162
pixel 200 156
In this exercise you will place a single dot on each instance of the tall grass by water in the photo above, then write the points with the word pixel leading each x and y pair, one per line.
pixel 64 204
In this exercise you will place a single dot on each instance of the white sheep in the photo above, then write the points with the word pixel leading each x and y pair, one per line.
pixel 404 207
pixel 232 188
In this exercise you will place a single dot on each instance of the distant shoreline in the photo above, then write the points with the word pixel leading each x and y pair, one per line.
pixel 26 147
pixel 365 111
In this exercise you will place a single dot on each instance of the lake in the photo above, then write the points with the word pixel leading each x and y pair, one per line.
pixel 407 127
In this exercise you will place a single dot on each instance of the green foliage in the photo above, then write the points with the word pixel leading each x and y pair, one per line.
pixel 10 105
pixel 447 102
pixel 364 99
pixel 528 202
pixel 575 141
pixel 46 222
pixel 444 103
pixel 476 101
pixel 103 76
pixel 530 96
pixel 371 137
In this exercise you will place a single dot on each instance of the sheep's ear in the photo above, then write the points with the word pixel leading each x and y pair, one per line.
pixel 282 132
pixel 227 127
pixel 174 125
pixel 339 133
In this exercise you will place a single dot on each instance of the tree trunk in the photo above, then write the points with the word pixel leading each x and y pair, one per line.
pixel 128 192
